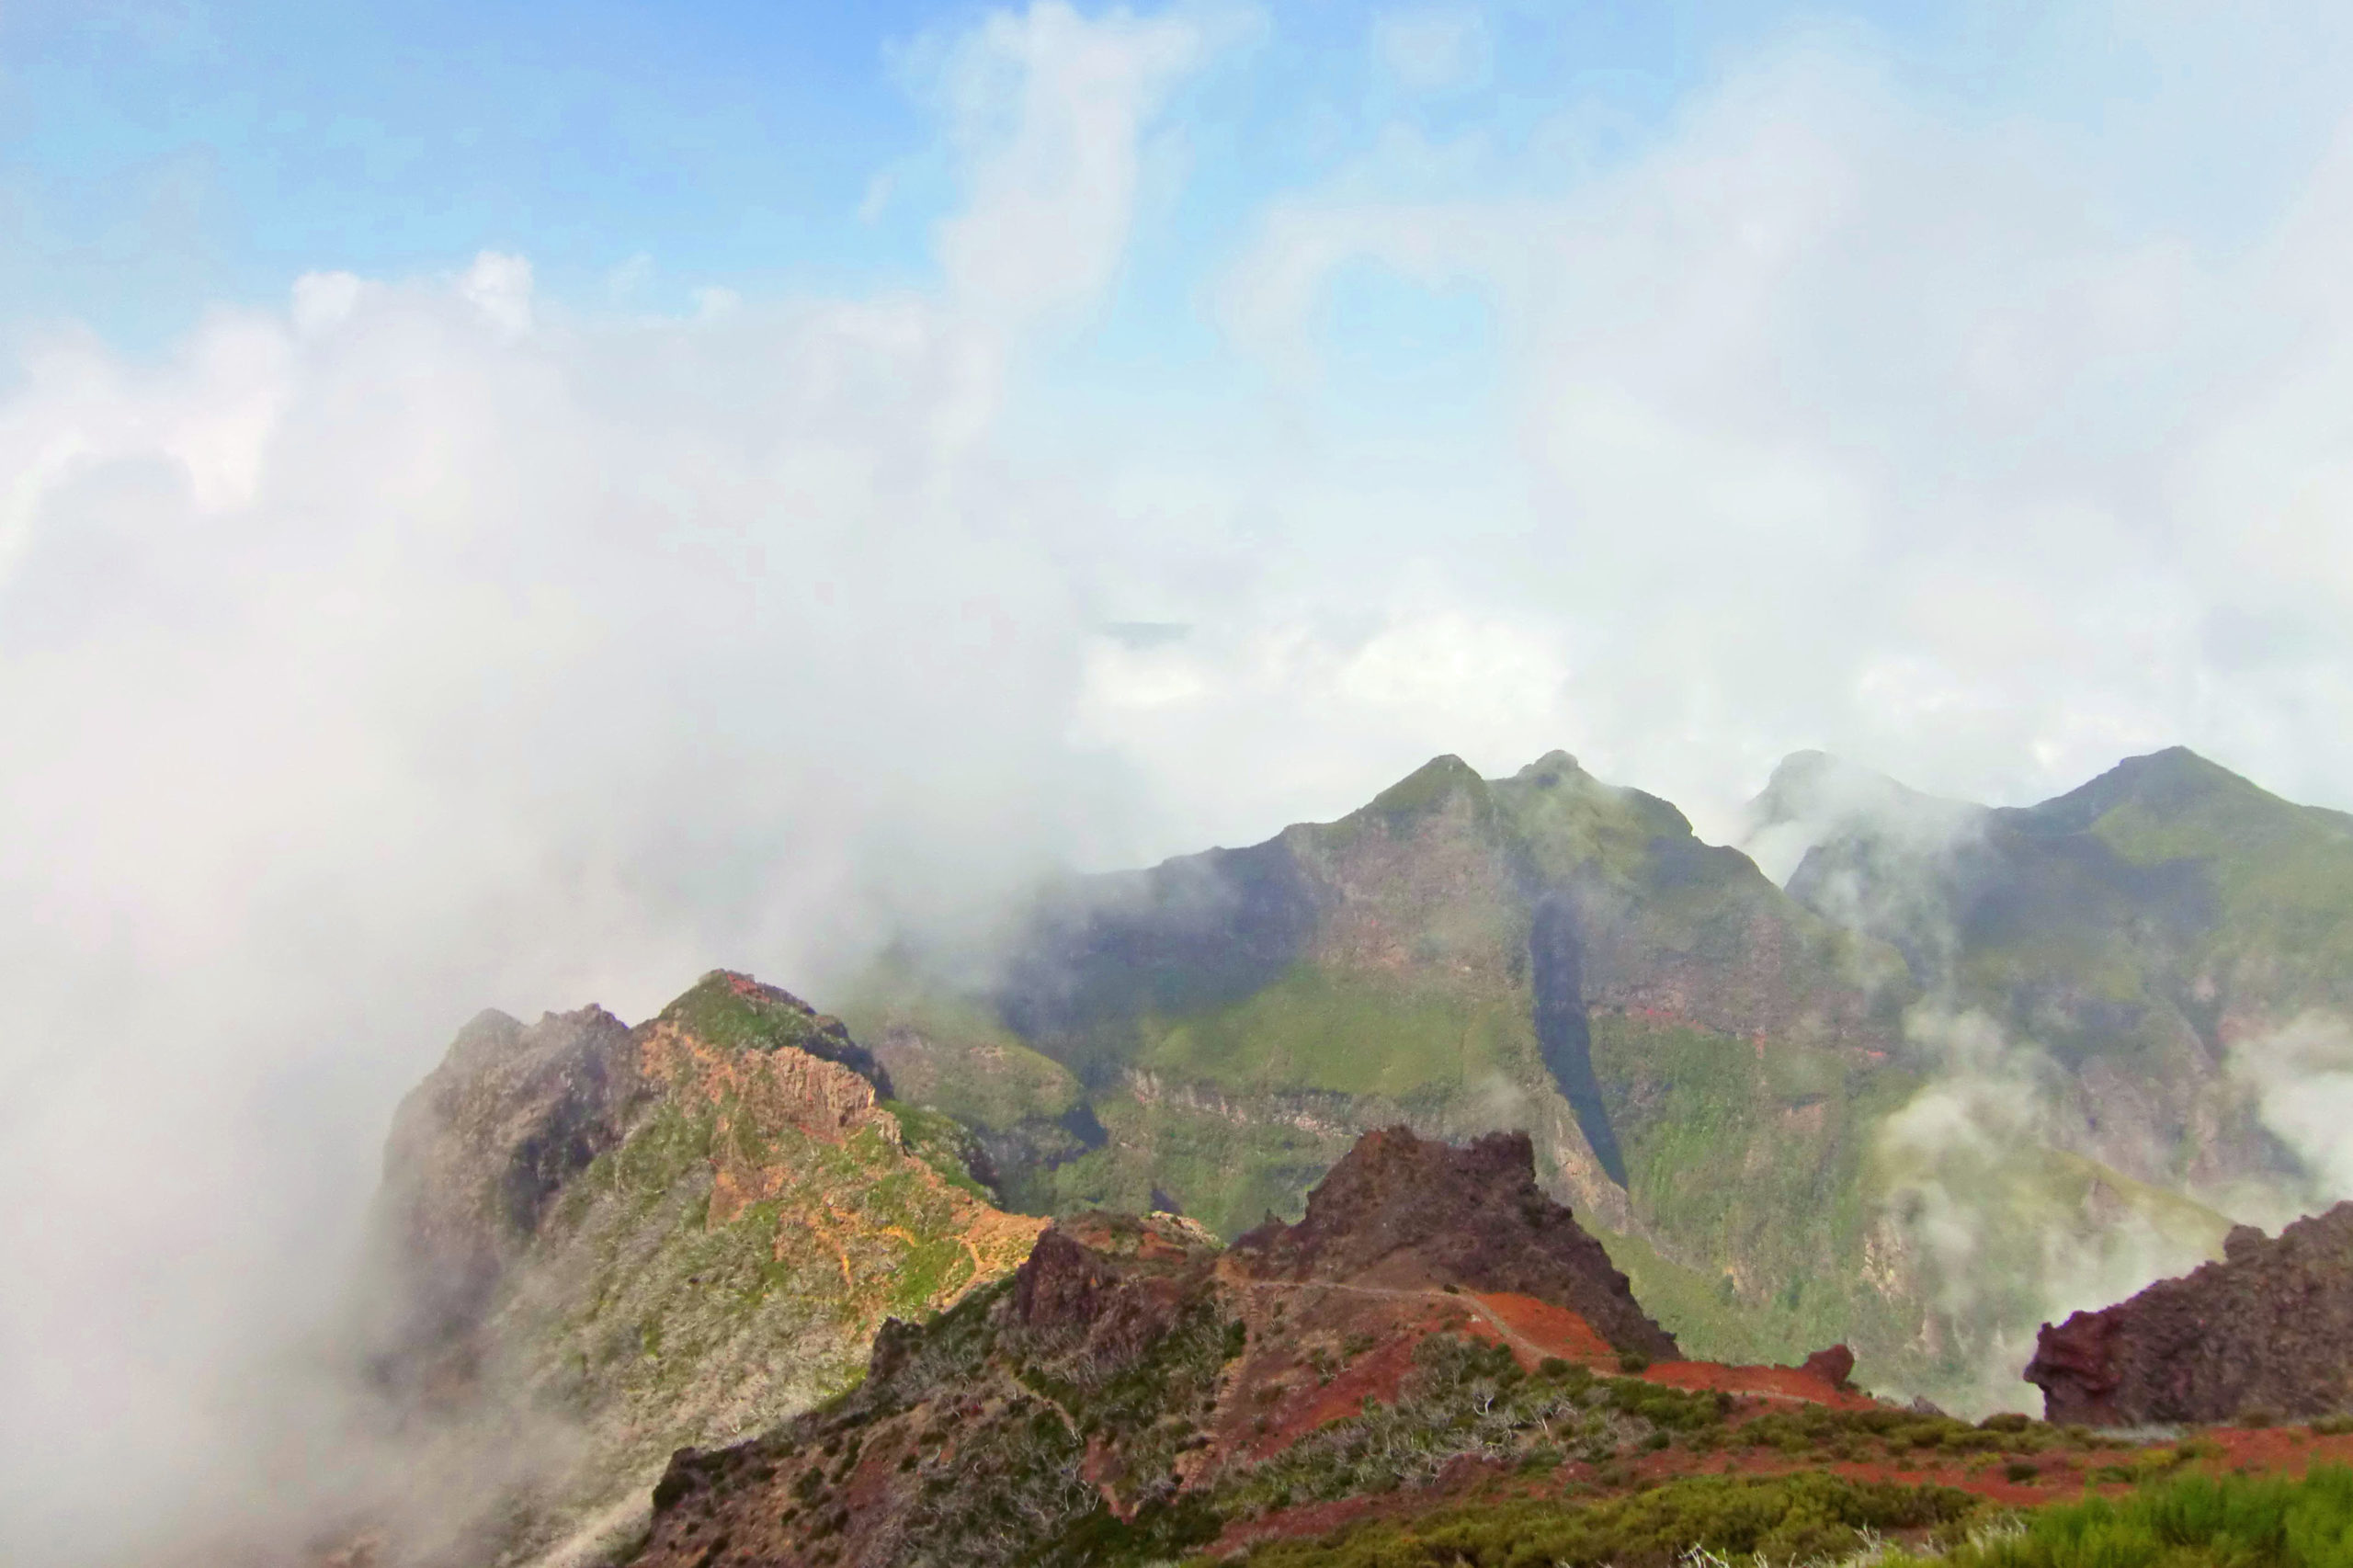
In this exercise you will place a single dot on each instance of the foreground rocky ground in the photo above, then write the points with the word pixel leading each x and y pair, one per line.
pixel 1435 1337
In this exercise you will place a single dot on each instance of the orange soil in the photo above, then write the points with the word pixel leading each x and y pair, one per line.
pixel 1550 1330
pixel 1770 1382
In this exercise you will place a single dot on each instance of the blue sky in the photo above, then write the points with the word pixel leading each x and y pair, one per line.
pixel 159 159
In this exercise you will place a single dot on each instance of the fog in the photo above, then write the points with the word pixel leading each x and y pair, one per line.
pixel 424 643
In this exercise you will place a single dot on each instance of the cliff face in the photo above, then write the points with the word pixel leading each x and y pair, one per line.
pixel 1133 1391
pixel 476 1154
pixel 2268 1329
pixel 600 1243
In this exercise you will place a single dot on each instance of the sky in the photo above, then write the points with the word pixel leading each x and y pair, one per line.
pixel 516 506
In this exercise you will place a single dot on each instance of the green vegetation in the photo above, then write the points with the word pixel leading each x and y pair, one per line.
pixel 1425 790
pixel 721 1012
pixel 1704 1313
pixel 1012 1492
pixel 1783 1520
pixel 1574 823
pixel 1467 1398
pixel 1753 1159
pixel 951 1053
pixel 941 1141
pixel 2190 1521
pixel 1226 1173
pixel 1315 1031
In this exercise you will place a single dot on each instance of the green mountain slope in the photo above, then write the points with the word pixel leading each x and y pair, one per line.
pixel 2145 935
pixel 1545 951
pixel 1801 1115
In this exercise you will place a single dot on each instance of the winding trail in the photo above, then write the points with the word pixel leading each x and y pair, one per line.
pixel 1748 1378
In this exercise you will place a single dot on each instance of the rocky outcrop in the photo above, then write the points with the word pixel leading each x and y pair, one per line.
pixel 2268 1329
pixel 602 1242
pixel 1134 1394
pixel 1406 1212
pixel 476 1153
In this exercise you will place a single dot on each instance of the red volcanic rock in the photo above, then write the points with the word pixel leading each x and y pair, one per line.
pixel 1407 1213
pixel 1118 1282
pixel 1834 1366
pixel 2269 1328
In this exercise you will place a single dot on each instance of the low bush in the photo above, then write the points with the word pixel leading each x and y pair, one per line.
pixel 2190 1521
pixel 1787 1518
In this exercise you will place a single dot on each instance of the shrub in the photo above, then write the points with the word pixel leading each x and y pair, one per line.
pixel 2190 1521
pixel 1788 1518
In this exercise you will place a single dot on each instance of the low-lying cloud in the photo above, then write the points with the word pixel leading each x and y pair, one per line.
pixel 2302 1077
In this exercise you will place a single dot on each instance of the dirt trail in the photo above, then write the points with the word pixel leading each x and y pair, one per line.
pixel 1786 1384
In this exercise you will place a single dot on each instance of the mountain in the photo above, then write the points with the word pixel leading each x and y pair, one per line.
pixel 596 1243
pixel 1968 1066
pixel 1544 952
pixel 2175 943
pixel 1435 1365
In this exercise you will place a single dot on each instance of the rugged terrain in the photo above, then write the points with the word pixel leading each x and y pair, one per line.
pixel 1970 1067
pixel 598 1243
pixel 2267 1332
pixel 1436 1352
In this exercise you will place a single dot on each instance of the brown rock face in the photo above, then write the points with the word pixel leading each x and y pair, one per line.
pixel 2269 1328
pixel 1834 1366
pixel 1403 1212
pixel 478 1150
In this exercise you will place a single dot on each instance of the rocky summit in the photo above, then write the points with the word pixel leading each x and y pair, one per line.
pixel 597 1243
pixel 2264 1334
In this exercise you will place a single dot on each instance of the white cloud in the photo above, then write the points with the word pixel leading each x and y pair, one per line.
pixel 416 650
pixel 1048 106
pixel 2302 1076
pixel 1837 421
pixel 1432 48
pixel 499 287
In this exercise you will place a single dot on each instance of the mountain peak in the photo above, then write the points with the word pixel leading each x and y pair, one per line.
pixel 1813 797
pixel 2164 783
pixel 734 1012
pixel 1428 786
pixel 1405 1212
pixel 1551 768
pixel 1816 786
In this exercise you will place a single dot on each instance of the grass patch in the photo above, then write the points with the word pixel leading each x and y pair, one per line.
pixel 2190 1521
pixel 1785 1519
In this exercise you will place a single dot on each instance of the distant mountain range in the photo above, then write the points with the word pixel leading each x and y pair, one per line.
pixel 1969 1069
pixel 1968 1065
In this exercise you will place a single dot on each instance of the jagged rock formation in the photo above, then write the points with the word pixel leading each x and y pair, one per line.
pixel 598 1243
pixel 1133 1391
pixel 1406 1212
pixel 2268 1329
pixel 475 1154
